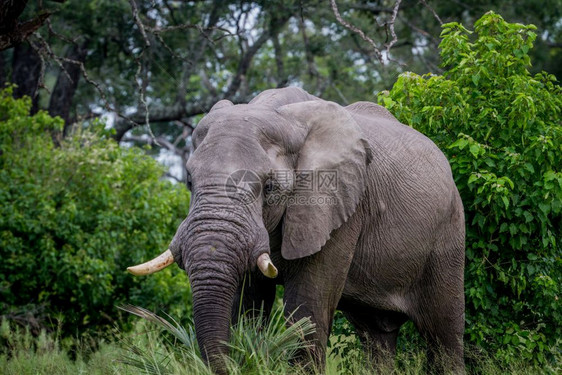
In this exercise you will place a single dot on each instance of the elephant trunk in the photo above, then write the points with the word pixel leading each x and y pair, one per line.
pixel 220 242
pixel 213 288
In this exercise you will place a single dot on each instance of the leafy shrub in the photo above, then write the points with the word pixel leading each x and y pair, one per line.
pixel 72 218
pixel 500 128
pixel 344 344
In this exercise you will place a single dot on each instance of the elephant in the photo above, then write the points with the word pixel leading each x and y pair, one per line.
pixel 366 219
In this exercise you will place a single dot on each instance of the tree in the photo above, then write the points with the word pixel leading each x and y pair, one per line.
pixel 12 30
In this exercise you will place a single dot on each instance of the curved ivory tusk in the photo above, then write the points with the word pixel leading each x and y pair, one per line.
pixel 266 266
pixel 157 264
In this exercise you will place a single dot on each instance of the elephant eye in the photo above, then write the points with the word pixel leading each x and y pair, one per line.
pixel 269 186
pixel 188 181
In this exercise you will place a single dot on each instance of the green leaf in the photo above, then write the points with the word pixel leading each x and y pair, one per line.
pixel 475 78
pixel 474 149
pixel 460 143
pixel 544 207
pixel 473 177
pixel 505 201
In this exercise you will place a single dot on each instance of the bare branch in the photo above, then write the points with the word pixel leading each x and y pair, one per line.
pixel 202 30
pixel 58 35
pixel 13 32
pixel 246 59
pixel 178 110
pixel 161 40
pixel 22 31
pixel 356 30
pixel 187 130
pixel 175 112
pixel 142 84
pixel 138 22
pixel 312 71
pixel 159 141
pixel 45 50
pixel 424 2
pixel 412 26
pixel 371 8
pixel 391 26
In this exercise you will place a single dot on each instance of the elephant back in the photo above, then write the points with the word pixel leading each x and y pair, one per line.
pixel 275 98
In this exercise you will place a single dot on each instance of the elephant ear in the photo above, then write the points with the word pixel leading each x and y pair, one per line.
pixel 335 156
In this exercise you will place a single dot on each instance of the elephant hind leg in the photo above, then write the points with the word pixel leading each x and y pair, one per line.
pixel 378 332
pixel 445 352
pixel 439 314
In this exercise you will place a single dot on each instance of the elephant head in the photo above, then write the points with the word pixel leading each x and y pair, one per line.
pixel 226 233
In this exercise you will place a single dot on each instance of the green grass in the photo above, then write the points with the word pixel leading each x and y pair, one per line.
pixel 159 345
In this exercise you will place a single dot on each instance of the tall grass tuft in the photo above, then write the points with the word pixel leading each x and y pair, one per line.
pixel 257 345
pixel 22 353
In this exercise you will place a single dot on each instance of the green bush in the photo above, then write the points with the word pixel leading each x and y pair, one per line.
pixel 72 218
pixel 500 128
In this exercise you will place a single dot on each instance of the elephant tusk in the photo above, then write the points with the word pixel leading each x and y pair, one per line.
pixel 266 266
pixel 157 264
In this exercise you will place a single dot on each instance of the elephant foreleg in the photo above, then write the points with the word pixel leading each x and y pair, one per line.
pixel 313 287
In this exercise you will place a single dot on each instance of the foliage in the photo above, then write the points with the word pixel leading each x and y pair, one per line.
pixel 190 54
pixel 255 347
pixel 74 217
pixel 48 354
pixel 500 128
pixel 23 353
pixel 344 343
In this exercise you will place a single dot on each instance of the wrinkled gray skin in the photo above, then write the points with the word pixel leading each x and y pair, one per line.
pixel 391 249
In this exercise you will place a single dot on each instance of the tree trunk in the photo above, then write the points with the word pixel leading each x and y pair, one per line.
pixel 65 87
pixel 2 71
pixel 26 67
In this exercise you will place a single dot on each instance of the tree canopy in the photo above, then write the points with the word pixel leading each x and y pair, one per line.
pixel 165 63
